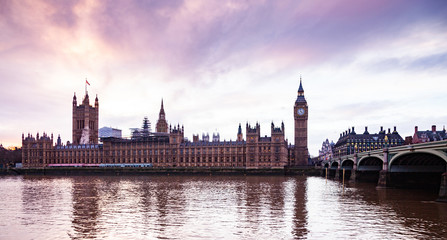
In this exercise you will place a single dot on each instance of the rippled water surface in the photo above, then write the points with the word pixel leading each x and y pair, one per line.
pixel 213 207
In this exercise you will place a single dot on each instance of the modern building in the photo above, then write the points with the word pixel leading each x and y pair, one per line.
pixel 350 142
pixel 105 132
pixel 428 136
pixel 168 147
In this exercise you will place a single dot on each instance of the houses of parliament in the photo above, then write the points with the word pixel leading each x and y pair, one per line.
pixel 167 146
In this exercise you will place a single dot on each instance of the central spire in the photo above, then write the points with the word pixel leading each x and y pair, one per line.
pixel 162 111
pixel 300 97
pixel 162 125
pixel 300 89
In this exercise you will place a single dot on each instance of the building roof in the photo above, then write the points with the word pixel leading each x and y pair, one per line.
pixel 432 136
pixel 301 99
pixel 301 89
pixel 205 143
pixel 377 137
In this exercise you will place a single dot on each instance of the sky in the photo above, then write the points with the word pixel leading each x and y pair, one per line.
pixel 216 64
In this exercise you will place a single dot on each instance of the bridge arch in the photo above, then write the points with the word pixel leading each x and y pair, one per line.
pixel 419 161
pixel 334 164
pixel 370 163
pixel 347 164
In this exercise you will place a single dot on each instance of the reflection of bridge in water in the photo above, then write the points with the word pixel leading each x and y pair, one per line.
pixel 418 165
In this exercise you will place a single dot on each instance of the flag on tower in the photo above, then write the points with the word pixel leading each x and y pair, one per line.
pixel 87 82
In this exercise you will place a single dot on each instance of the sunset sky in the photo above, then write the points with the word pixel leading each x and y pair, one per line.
pixel 220 63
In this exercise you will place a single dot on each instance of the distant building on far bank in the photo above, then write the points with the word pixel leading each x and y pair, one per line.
pixel 350 142
pixel 428 136
pixel 106 132
pixel 326 152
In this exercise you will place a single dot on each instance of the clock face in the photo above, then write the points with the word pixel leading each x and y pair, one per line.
pixel 300 111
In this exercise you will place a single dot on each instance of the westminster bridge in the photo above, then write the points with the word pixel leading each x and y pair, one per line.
pixel 417 165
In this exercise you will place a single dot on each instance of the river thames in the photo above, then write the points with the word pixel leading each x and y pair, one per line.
pixel 213 207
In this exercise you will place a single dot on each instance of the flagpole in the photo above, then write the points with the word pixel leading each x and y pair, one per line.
pixel 85 85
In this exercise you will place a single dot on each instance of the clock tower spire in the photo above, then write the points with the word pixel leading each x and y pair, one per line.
pixel 300 113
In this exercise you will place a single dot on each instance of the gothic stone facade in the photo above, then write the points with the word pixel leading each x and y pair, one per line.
pixel 300 113
pixel 167 147
pixel 85 117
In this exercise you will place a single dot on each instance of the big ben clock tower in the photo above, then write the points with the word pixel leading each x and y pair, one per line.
pixel 300 112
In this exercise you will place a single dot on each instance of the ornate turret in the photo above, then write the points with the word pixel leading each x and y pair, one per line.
pixel 75 103
pixel 176 134
pixel 86 100
pixel 162 111
pixel 300 97
pixel 59 140
pixel 96 102
pixel 162 125
pixel 240 137
pixel 253 133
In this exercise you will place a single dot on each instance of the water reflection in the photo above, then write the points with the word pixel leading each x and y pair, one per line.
pixel 44 201
pixel 260 206
pixel 213 207
pixel 362 211
pixel 170 206
pixel 300 211
pixel 86 208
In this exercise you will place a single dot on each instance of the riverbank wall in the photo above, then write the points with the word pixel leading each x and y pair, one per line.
pixel 75 171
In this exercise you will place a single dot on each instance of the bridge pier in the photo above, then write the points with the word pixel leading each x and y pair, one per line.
pixel 384 175
pixel 443 189
pixel 384 179
pixel 337 174
pixel 353 175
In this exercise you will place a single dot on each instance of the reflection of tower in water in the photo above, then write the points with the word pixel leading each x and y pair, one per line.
pixel 300 212
pixel 261 206
pixel 170 205
pixel 85 208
